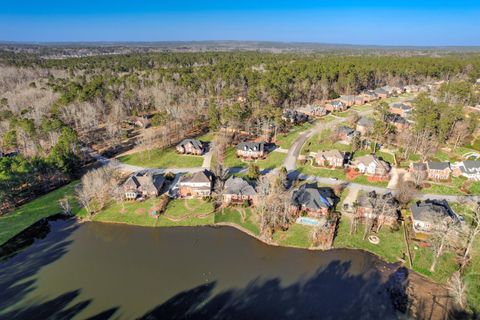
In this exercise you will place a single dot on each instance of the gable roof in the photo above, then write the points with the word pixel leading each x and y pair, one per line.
pixel 198 177
pixel 380 91
pixel 419 166
pixel 401 106
pixel 395 118
pixel 369 158
pixel 239 186
pixel 436 165
pixel 251 146
pixel 432 210
pixel 195 143
pixel 331 154
pixel 366 122
pixel 347 98
pixel 345 129
pixel 314 198
pixel 470 166
pixel 145 180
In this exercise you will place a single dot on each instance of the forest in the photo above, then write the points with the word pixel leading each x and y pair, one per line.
pixel 51 110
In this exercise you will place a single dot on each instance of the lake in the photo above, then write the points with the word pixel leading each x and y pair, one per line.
pixel 108 271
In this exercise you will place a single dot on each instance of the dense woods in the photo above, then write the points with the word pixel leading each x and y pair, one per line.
pixel 51 108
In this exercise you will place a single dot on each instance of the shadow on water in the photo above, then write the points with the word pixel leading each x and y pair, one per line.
pixel 332 293
pixel 19 266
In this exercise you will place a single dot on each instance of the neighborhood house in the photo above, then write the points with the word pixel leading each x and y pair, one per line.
pixel 429 215
pixel 330 158
pixel 373 166
pixel 143 184
pixel 469 169
pixel 198 184
pixel 314 201
pixel 401 109
pixel 438 170
pixel 336 105
pixel 346 134
pixel 251 150
pixel 366 204
pixel 399 122
pixel 347 100
pixel 365 125
pixel 313 110
pixel 238 191
pixel 190 146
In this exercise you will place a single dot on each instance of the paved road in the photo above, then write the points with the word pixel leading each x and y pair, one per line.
pixel 290 161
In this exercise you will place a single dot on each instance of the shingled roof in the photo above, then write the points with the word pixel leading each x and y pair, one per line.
pixel 195 143
pixel 251 146
pixel 238 186
pixel 314 198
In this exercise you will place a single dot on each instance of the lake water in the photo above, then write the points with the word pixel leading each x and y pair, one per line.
pixel 111 271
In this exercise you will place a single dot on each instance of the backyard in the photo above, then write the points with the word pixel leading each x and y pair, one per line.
pixel 244 217
pixel 42 207
pixel 161 158
pixel 285 141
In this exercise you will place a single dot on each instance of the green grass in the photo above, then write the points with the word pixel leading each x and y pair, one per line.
pixel 422 259
pixel 42 207
pixel 297 235
pixel 312 145
pixel 446 188
pixel 273 160
pixel 361 108
pixel 363 179
pixel 322 172
pixel 233 215
pixel 166 158
pixel 474 188
pixel 138 213
pixel 285 140
pixel 207 137
pixel 231 159
pixel 391 246
pixel 385 156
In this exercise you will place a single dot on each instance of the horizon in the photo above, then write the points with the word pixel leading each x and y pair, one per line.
pixel 366 23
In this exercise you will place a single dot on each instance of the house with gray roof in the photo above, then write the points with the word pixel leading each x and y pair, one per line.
pixel 365 125
pixel 238 191
pixel 430 215
pixel 314 201
pixel 401 109
pixel 367 204
pixel 437 170
pixel 251 150
pixel 336 105
pixel 348 100
pixel 190 146
pixel 143 184
pixel 469 169
pixel 373 166
pixel 345 133
pixel 313 110
pixel 381 93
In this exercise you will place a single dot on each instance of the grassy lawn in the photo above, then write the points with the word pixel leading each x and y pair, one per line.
pixel 363 179
pixel 361 108
pixel 273 160
pixel 42 207
pixel 322 172
pixel 344 114
pixel 285 140
pixel 384 155
pixel 422 259
pixel 138 213
pixel 207 137
pixel 312 145
pixel 234 215
pixel 327 118
pixel 391 246
pixel 157 158
pixel 231 159
pixel 297 235
pixel 447 188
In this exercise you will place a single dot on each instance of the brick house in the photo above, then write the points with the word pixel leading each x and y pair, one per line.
pixel 314 201
pixel 238 191
pixel 371 165
pixel 438 170
pixel 198 184
pixel 190 146
pixel 401 109
pixel 335 105
pixel 370 96
pixel 347 100
pixel 360 99
pixel 399 122
pixel 294 117
pixel 330 158
pixel 143 184
pixel 365 206
pixel 251 150
pixel 345 133
pixel 381 93
pixel 418 168
pixel 313 110
pixel 365 125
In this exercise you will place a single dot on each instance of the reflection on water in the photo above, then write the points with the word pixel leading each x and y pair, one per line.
pixel 116 271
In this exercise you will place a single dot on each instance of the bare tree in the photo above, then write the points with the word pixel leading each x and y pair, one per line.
pixel 457 289
pixel 445 234
pixel 459 133
pixel 471 235
pixel 65 206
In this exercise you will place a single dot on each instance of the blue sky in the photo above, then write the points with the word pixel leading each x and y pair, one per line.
pixel 405 22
